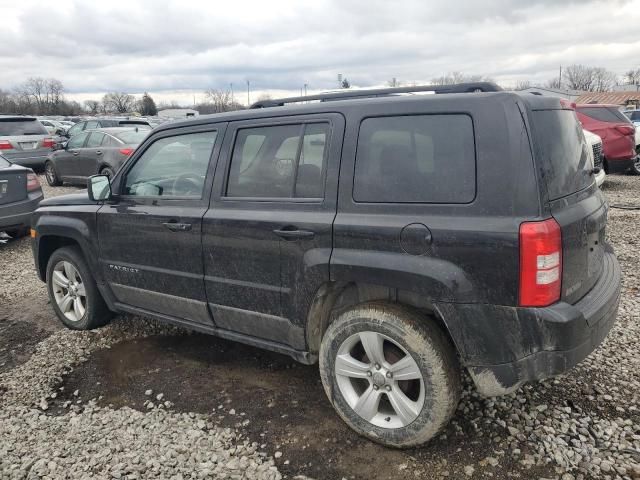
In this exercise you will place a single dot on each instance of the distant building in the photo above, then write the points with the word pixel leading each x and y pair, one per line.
pixel 570 95
pixel 622 99
pixel 178 113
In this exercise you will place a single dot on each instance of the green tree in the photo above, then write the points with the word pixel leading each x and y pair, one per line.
pixel 148 106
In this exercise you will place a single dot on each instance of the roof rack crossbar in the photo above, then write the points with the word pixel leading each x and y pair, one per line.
pixel 472 87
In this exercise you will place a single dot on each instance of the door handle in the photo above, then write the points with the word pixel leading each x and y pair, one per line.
pixel 178 227
pixel 76 153
pixel 292 233
pixel 99 152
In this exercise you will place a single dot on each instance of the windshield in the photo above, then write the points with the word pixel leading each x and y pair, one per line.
pixel 564 152
pixel 20 126
pixel 132 137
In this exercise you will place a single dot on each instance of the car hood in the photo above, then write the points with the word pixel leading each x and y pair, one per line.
pixel 80 198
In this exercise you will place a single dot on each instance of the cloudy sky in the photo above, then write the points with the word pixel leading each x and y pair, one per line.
pixel 175 49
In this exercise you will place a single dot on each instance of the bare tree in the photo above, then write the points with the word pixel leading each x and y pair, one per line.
pixel 522 85
pixel 553 83
pixel 93 106
pixel 632 77
pixel 453 78
pixel 217 101
pixel 590 79
pixel 119 102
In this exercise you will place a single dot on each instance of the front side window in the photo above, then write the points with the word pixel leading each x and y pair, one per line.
pixel 416 159
pixel 77 141
pixel 172 167
pixel 76 129
pixel 284 161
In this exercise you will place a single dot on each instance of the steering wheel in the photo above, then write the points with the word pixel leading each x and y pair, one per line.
pixel 187 184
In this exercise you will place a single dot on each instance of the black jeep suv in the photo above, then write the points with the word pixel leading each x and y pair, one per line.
pixel 394 238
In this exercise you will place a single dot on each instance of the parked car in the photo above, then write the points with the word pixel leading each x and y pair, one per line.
pixel 360 233
pixel 106 123
pixel 617 133
pixel 53 127
pixel 91 152
pixel 634 116
pixel 24 140
pixel 20 193
pixel 595 142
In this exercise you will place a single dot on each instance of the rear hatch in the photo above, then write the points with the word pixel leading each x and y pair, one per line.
pixel 22 134
pixel 574 200
pixel 13 182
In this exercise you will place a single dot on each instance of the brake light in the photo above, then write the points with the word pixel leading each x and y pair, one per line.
pixel 540 263
pixel 48 143
pixel 5 145
pixel 626 129
pixel 126 151
pixel 32 182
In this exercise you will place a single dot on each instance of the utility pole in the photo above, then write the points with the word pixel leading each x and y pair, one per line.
pixel 248 94
pixel 305 89
pixel 560 78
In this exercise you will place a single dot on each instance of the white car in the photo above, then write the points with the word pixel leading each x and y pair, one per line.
pixel 596 154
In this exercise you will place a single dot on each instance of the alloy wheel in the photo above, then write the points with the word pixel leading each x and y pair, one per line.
pixel 379 380
pixel 69 291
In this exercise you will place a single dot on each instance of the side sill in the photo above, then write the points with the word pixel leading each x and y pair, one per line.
pixel 304 357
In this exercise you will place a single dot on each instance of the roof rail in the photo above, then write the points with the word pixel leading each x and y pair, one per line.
pixel 472 87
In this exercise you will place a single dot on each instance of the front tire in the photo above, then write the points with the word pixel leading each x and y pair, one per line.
pixel 50 173
pixel 391 374
pixel 73 292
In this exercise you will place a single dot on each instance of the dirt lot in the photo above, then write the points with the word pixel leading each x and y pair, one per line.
pixel 261 415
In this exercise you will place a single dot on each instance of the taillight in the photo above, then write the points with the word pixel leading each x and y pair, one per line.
pixel 32 182
pixel 48 143
pixel 5 145
pixel 126 151
pixel 540 263
pixel 626 129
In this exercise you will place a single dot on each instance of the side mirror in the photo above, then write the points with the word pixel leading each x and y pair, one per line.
pixel 59 131
pixel 60 145
pixel 99 188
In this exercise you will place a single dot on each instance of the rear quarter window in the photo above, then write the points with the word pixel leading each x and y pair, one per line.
pixel 416 159
pixel 563 152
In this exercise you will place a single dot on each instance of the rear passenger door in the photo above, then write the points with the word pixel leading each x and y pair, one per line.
pixel 89 158
pixel 267 237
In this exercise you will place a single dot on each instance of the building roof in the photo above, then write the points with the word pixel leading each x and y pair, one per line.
pixel 614 98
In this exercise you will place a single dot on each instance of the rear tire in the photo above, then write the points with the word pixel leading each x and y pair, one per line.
pixel 108 171
pixel 73 291
pixel 369 394
pixel 51 175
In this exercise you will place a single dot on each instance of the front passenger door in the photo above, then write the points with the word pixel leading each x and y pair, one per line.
pixel 150 235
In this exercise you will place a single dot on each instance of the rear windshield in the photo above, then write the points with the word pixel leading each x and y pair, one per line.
pixel 15 127
pixel 4 163
pixel 134 123
pixel 564 152
pixel 132 137
pixel 604 114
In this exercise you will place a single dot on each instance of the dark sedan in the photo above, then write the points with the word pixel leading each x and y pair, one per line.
pixel 90 153
pixel 20 194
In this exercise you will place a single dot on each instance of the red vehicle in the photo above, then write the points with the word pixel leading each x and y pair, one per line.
pixel 616 131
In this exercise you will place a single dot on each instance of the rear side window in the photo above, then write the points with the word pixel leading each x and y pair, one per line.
pixel 604 114
pixel 21 127
pixel 284 161
pixel 416 159
pixel 564 152
pixel 95 139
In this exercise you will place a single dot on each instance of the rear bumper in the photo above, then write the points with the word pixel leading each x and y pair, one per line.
pixel 619 165
pixel 18 214
pixel 504 347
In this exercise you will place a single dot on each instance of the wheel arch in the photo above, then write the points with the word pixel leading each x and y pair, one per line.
pixel 333 298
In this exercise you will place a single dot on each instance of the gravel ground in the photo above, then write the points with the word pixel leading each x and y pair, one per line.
pixel 583 425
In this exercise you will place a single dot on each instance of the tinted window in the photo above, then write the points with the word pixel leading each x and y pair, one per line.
pixel 77 141
pixel 604 114
pixel 21 127
pixel 132 137
pixel 564 152
pixel 279 162
pixel 4 162
pixel 172 167
pixel 416 159
pixel 95 140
